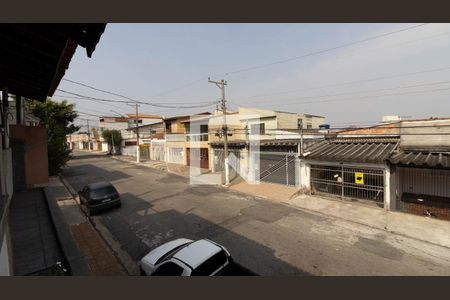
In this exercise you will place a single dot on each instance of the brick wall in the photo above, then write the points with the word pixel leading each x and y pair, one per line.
pixel 438 207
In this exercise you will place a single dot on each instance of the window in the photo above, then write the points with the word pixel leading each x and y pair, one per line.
pixel 309 126
pixel 211 265
pixel 300 124
pixel 169 269
pixel 103 192
pixel 257 128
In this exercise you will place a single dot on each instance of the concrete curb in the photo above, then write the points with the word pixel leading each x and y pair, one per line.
pixel 127 263
pixel 71 252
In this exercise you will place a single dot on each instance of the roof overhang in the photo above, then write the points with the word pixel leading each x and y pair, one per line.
pixel 35 57
pixel 361 150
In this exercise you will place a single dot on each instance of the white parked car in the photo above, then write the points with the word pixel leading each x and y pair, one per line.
pixel 184 257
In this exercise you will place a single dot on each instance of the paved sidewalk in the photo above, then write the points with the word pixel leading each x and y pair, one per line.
pixel 34 240
pixel 417 227
pixel 270 191
pixel 160 165
pixel 96 252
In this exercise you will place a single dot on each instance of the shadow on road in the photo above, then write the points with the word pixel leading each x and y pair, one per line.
pixel 138 228
pixel 79 175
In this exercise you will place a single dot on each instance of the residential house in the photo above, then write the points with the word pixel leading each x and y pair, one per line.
pixel 151 140
pixel 196 143
pixel 175 138
pixel 402 165
pixel 181 135
pixel 264 143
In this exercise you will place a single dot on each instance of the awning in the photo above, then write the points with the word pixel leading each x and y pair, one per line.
pixel 420 159
pixel 364 150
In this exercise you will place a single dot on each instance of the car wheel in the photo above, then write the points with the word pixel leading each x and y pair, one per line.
pixel 141 271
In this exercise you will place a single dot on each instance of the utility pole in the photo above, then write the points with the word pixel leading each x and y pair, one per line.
pixel 113 147
pixel 89 136
pixel 222 85
pixel 138 154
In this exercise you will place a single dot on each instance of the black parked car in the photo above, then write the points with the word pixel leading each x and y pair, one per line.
pixel 99 196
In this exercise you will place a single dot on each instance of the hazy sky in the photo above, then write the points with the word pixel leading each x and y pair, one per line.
pixel 145 61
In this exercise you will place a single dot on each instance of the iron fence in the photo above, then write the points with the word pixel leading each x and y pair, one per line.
pixel 346 182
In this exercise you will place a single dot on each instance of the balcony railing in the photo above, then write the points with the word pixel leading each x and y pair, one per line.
pixel 197 137
pixel 175 137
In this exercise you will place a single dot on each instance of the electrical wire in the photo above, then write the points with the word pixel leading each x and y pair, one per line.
pixel 360 92
pixel 324 50
pixel 351 82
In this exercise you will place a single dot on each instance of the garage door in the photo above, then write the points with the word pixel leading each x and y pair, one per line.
pixel 276 167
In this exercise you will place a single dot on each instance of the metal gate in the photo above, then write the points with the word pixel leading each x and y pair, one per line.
pixel 276 167
pixel 346 182
pixel 144 152
pixel 157 150
pixel 219 161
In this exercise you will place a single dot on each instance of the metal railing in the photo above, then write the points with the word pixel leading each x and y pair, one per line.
pixel 197 137
pixel 175 137
pixel 348 182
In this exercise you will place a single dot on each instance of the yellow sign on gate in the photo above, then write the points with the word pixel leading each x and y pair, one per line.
pixel 359 178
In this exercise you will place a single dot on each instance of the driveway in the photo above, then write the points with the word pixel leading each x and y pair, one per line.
pixel 267 237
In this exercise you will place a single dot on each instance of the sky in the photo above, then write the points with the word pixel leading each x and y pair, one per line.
pixel 171 63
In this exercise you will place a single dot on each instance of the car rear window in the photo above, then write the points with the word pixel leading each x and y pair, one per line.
pixel 103 192
pixel 169 269
pixel 211 265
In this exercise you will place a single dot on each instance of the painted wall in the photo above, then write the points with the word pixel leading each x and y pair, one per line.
pixel 5 252
pixel 36 157
pixel 429 134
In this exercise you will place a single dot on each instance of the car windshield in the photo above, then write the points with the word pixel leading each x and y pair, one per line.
pixel 103 192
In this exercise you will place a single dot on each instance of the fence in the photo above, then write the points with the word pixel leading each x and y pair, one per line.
pixel 348 182
pixel 233 161
pixel 175 155
pixel 158 150
pixel 130 150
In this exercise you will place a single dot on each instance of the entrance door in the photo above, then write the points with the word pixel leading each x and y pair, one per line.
pixel 198 157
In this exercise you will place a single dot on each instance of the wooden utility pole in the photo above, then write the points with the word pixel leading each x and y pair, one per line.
pixel 138 154
pixel 222 85
pixel 89 136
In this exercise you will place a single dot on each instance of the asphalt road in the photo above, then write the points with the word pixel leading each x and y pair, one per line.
pixel 266 237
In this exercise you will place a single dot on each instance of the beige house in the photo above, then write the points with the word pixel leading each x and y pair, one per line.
pixel 262 141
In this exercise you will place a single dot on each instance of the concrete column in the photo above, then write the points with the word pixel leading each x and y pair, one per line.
pixel 5 126
pixel 389 187
pixel 19 110
pixel 305 182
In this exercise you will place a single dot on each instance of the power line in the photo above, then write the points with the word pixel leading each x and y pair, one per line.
pixel 324 50
pixel 81 97
pixel 97 89
pixel 361 98
pixel 352 82
pixel 362 91
pixel 289 59
pixel 128 98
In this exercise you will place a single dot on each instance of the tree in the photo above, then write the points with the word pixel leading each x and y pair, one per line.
pixel 112 135
pixel 57 117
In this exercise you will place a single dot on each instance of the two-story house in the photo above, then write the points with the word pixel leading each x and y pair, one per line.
pixel 264 143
